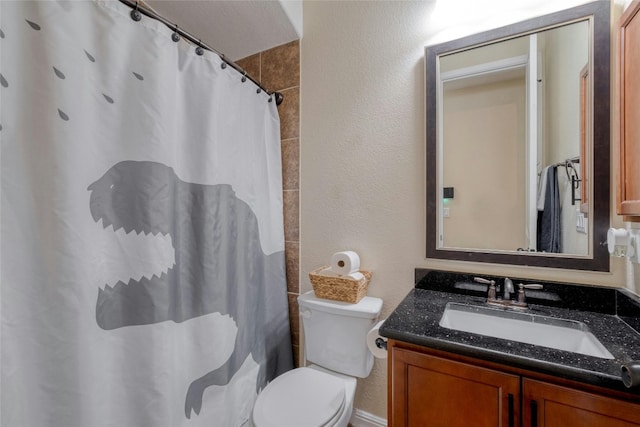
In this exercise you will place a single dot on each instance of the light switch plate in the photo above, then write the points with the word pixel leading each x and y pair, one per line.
pixel 582 223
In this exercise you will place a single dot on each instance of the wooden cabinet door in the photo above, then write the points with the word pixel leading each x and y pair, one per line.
pixel 548 405
pixel 629 110
pixel 429 391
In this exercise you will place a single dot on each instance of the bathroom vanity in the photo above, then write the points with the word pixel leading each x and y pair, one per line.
pixel 459 355
pixel 439 388
pixel 440 374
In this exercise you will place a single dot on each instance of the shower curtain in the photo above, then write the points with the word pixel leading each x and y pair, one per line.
pixel 143 274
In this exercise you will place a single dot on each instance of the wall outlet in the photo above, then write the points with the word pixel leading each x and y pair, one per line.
pixel 582 223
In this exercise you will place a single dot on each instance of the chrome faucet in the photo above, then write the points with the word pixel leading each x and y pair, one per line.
pixel 507 289
pixel 506 301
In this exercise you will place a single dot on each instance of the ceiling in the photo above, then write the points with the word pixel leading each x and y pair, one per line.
pixel 235 28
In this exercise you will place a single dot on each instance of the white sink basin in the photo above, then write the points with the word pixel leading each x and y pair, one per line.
pixel 561 334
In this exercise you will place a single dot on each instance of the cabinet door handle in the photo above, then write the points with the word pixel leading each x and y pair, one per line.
pixel 511 410
pixel 534 413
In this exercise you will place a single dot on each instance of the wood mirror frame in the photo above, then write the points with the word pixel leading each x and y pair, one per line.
pixel 598 258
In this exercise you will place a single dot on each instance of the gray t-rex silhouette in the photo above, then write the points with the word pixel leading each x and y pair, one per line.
pixel 219 266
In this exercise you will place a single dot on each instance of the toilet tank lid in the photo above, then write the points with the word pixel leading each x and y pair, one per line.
pixel 368 307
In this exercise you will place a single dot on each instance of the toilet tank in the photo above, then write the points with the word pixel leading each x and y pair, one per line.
pixel 335 333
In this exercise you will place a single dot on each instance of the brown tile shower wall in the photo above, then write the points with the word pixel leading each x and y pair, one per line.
pixel 278 69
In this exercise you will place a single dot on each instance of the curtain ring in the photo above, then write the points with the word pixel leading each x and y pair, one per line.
pixel 270 98
pixel 199 49
pixel 135 14
pixel 258 90
pixel 244 77
pixel 279 98
pixel 175 36
pixel 223 65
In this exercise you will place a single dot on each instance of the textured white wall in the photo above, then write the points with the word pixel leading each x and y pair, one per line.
pixel 362 143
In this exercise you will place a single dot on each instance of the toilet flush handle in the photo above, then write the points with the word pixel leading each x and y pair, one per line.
pixel 306 314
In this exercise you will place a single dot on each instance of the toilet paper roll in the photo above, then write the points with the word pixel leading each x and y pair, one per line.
pixel 356 276
pixel 377 344
pixel 330 273
pixel 345 262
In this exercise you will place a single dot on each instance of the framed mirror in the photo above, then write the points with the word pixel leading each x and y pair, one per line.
pixel 517 139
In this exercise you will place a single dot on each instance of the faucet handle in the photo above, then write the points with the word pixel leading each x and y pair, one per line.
pixel 491 292
pixel 522 287
pixel 531 286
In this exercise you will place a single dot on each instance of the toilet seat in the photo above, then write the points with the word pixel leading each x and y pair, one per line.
pixel 303 397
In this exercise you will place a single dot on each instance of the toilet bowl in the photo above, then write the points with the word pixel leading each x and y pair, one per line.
pixel 306 397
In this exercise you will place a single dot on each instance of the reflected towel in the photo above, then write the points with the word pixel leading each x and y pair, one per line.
pixel 549 237
pixel 542 188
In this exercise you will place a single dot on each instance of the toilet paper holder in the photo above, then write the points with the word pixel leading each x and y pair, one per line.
pixel 377 343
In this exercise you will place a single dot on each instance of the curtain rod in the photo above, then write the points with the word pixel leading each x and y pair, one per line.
pixel 139 9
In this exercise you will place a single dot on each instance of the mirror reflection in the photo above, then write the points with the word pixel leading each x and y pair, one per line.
pixel 518 142
pixel 513 140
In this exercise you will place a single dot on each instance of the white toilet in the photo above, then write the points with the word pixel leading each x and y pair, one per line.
pixel 322 393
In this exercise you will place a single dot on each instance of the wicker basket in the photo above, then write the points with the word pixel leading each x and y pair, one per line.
pixel 339 288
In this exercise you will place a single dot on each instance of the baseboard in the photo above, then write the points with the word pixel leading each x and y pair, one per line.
pixel 364 419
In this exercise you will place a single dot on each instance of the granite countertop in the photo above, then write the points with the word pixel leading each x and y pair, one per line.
pixel 610 314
